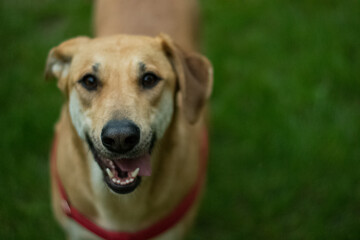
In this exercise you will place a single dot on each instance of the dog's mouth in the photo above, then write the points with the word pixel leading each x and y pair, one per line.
pixel 122 175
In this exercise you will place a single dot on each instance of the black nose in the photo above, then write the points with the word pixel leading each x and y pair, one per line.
pixel 120 136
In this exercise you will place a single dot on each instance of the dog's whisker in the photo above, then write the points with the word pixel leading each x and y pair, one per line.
pixel 100 118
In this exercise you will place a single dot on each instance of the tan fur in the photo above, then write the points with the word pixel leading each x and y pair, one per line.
pixel 178 121
pixel 177 18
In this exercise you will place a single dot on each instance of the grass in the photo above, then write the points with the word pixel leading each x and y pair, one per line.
pixel 285 122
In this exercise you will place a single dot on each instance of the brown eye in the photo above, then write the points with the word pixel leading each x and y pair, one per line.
pixel 89 82
pixel 149 80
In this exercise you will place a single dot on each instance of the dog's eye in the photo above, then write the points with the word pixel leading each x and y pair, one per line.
pixel 89 82
pixel 149 80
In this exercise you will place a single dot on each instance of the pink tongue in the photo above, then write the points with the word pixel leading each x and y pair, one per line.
pixel 129 165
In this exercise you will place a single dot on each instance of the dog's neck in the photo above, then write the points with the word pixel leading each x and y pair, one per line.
pixel 173 174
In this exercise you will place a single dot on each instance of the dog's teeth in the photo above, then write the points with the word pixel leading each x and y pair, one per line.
pixel 108 171
pixel 135 173
pixel 118 181
pixel 114 180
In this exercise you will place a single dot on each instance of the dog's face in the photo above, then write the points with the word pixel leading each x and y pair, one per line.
pixel 121 95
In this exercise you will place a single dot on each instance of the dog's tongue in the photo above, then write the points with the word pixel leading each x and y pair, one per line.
pixel 129 165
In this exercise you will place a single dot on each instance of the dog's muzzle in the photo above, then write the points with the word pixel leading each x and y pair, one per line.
pixel 128 161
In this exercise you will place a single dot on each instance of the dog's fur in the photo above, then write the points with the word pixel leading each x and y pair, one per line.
pixel 173 110
pixel 177 18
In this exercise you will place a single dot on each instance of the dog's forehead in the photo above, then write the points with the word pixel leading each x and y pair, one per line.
pixel 124 45
pixel 119 51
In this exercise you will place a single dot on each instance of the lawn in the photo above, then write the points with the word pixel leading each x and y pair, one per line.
pixel 285 117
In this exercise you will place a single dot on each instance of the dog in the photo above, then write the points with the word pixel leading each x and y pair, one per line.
pixel 126 153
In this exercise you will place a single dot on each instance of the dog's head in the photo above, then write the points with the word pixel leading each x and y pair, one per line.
pixel 121 92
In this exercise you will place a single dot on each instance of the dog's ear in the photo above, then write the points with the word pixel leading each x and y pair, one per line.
pixel 59 60
pixel 195 77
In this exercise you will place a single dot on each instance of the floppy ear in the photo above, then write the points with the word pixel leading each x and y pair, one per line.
pixel 59 60
pixel 195 78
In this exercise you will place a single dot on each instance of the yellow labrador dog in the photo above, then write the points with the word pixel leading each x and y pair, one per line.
pixel 130 130
pixel 125 160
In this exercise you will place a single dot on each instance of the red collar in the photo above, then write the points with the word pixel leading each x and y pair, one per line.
pixel 157 228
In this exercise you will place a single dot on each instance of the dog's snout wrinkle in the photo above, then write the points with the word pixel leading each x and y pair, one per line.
pixel 120 136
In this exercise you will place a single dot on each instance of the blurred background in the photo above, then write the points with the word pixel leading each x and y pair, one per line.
pixel 285 117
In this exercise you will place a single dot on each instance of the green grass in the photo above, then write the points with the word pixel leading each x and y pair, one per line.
pixel 285 128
